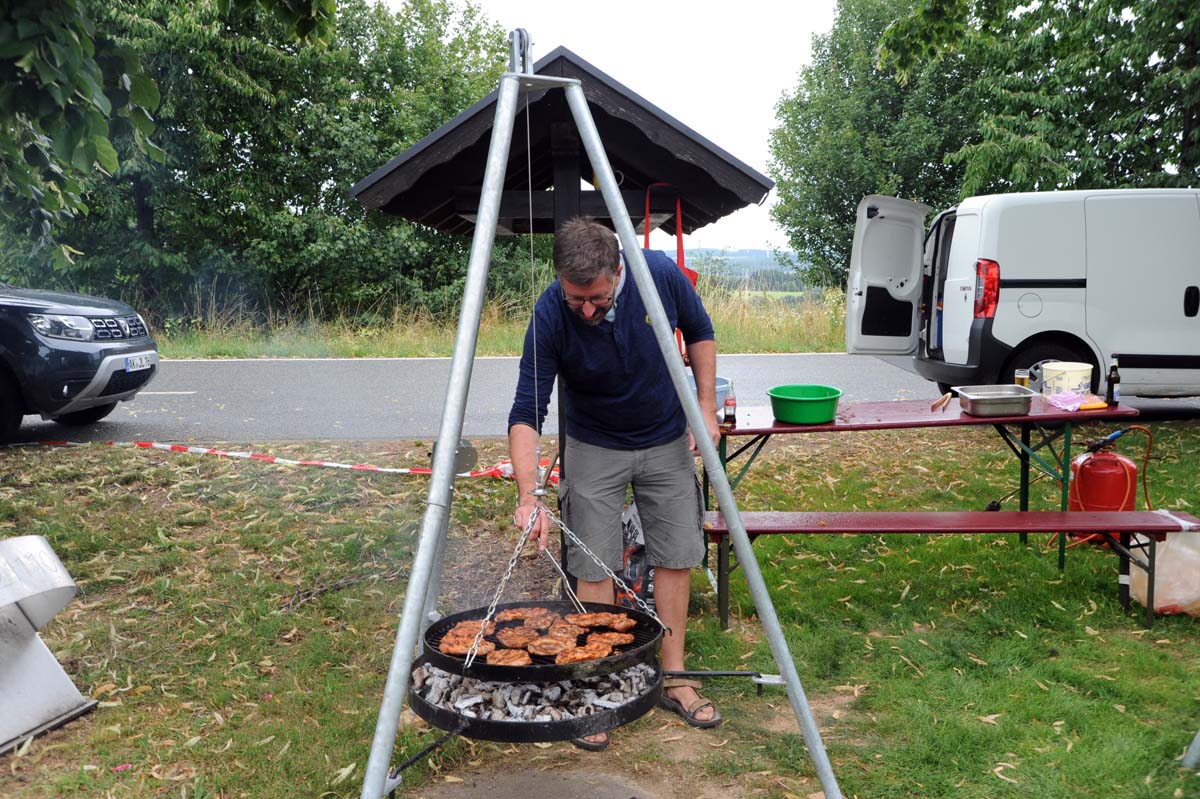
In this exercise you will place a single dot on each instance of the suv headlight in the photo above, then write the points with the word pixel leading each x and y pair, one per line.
pixel 58 326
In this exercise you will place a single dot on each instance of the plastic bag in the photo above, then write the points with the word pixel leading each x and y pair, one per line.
pixel 1067 400
pixel 1177 575
pixel 636 573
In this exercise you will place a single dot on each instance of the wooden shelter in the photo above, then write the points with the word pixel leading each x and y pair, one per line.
pixel 436 182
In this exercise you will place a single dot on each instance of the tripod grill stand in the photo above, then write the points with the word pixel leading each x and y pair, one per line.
pixel 424 581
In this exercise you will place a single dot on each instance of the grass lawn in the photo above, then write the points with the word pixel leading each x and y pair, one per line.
pixel 236 619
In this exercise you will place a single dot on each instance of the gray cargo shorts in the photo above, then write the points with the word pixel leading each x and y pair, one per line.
pixel 667 493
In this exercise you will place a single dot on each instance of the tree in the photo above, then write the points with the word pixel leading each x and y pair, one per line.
pixel 262 140
pixel 850 129
pixel 68 89
pixel 1079 93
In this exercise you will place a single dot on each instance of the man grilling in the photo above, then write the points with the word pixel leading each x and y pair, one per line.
pixel 624 427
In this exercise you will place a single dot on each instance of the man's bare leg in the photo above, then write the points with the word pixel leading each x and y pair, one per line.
pixel 595 591
pixel 672 589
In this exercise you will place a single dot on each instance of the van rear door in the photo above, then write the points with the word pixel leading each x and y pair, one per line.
pixel 883 294
pixel 1143 288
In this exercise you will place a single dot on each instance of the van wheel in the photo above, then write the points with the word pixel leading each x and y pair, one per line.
pixel 10 409
pixel 1026 357
pixel 944 388
pixel 86 416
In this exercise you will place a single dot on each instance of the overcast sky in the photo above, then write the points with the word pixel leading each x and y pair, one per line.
pixel 718 67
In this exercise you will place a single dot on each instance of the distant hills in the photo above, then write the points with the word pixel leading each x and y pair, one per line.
pixel 736 263
pixel 753 269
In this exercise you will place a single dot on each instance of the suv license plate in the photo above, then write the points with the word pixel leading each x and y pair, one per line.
pixel 137 363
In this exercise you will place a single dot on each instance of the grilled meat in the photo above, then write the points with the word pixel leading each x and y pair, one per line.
pixel 509 657
pixel 581 653
pixel 549 646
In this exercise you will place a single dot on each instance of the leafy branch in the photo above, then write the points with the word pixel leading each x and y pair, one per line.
pixel 69 93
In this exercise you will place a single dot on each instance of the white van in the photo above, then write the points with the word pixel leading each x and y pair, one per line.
pixel 1004 281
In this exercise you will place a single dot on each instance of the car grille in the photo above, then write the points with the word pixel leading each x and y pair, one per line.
pixel 120 382
pixel 110 328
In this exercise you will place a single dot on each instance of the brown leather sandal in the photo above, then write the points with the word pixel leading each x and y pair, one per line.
pixel 592 746
pixel 688 713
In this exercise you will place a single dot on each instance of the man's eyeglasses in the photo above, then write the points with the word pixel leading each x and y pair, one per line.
pixel 575 303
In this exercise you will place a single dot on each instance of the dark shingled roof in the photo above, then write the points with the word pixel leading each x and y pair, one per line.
pixel 436 181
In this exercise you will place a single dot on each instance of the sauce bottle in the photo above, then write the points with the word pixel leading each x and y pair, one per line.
pixel 1112 393
pixel 729 418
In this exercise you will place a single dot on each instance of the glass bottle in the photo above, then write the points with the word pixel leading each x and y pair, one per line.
pixel 1112 393
pixel 729 412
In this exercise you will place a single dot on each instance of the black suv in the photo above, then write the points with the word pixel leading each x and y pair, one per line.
pixel 69 357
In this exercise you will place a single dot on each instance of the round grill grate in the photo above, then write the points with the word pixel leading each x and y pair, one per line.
pixel 647 637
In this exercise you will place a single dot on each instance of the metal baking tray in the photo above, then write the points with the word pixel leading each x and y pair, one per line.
pixel 1001 400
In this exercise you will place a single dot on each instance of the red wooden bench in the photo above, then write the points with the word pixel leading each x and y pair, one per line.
pixel 1115 527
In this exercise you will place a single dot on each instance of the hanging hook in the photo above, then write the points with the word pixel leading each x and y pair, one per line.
pixel 544 478
pixel 520 52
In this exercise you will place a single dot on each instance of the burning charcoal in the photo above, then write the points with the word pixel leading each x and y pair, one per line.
pixel 468 701
pixel 530 702
pixel 438 692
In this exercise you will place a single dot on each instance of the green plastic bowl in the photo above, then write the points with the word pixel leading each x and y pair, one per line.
pixel 804 404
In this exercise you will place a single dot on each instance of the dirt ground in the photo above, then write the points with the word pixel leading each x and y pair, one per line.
pixel 676 770
pixel 475 563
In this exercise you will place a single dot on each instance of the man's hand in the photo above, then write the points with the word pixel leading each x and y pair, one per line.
pixel 541 526
pixel 714 433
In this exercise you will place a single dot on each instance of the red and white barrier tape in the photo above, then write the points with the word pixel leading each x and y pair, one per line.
pixel 502 470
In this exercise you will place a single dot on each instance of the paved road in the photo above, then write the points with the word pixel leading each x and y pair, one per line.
pixel 256 401
pixel 360 399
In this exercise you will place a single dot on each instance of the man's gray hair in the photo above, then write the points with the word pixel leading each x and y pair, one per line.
pixel 585 250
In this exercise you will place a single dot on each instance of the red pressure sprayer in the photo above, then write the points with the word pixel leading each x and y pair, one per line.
pixel 1102 480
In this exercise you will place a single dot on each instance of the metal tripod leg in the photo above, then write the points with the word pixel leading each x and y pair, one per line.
pixel 437 510
pixel 665 334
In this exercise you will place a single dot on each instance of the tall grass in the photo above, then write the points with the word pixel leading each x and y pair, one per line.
pixel 745 320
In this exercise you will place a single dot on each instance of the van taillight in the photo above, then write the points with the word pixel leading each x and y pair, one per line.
pixel 987 288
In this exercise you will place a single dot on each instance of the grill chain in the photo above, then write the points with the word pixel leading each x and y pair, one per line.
pixel 611 574
pixel 512 563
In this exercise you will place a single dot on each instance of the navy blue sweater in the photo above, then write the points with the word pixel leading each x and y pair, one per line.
pixel 618 393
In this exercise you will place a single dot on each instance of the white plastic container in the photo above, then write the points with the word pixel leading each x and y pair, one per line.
pixel 1059 377
pixel 722 387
